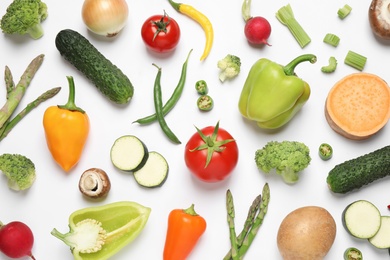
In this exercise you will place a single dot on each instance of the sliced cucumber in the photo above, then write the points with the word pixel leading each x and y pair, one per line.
pixel 361 219
pixel 382 238
pixel 154 172
pixel 129 153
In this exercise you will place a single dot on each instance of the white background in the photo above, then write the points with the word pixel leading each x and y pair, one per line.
pixel 55 195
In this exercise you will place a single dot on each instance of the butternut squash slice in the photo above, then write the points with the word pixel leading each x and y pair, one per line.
pixel 358 105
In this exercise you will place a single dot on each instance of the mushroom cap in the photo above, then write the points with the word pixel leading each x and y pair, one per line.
pixel 379 18
pixel 94 183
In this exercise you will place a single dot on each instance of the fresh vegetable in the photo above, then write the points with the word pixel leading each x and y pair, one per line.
pixel 107 77
pixel 94 183
pixel 361 219
pixel 360 171
pixel 272 94
pixel 353 253
pixel 230 67
pixel 158 106
pixel 16 240
pixel 205 103
pixel 285 15
pixel 160 33
pixel 105 17
pixel 287 158
pixel 102 231
pixel 358 105
pixel 355 60
pixel 331 39
pixel 331 67
pixel 185 228
pixel 254 220
pixel 232 226
pixel 306 233
pixel 325 151
pixel 211 154
pixel 24 17
pixel 201 87
pixel 129 153
pixel 174 97
pixel 19 170
pixel 15 94
pixel 344 11
pixel 257 29
pixel 381 239
pixel 66 130
pixel 154 173
pixel 201 19
pixel 378 15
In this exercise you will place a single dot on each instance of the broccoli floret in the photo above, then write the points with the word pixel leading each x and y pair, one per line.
pixel 24 17
pixel 19 170
pixel 230 67
pixel 288 158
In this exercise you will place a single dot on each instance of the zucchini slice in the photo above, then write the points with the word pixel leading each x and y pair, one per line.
pixel 382 239
pixel 129 153
pixel 361 219
pixel 154 173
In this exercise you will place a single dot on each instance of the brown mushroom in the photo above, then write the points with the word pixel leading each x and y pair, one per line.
pixel 379 18
pixel 94 183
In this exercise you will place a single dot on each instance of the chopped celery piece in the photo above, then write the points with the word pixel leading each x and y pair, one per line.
pixel 286 16
pixel 332 39
pixel 331 67
pixel 344 11
pixel 355 60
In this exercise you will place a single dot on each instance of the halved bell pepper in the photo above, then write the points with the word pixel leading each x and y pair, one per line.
pixel 100 232
pixel 272 93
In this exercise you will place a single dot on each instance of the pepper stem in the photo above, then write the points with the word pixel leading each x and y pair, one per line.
pixel 191 210
pixel 176 6
pixel 70 105
pixel 289 68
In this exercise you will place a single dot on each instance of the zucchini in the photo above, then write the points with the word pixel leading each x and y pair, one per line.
pixel 382 239
pixel 107 77
pixel 129 153
pixel 154 173
pixel 361 219
pixel 356 173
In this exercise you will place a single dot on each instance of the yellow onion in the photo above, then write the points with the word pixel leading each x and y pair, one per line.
pixel 105 17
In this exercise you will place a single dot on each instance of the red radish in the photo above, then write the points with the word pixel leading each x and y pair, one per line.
pixel 257 29
pixel 16 240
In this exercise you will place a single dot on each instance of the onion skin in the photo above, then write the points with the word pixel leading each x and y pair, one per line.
pixel 105 17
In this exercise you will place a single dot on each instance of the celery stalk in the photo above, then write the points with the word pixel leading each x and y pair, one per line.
pixel 286 16
pixel 331 39
pixel 355 60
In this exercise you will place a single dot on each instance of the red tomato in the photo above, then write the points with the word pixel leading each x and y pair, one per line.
pixel 160 33
pixel 223 149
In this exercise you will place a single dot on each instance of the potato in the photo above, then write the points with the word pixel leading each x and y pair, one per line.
pixel 306 233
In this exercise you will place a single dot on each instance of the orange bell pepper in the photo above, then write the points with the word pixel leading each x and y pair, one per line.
pixel 185 227
pixel 66 130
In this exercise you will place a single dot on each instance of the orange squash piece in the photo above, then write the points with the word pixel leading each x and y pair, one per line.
pixel 358 105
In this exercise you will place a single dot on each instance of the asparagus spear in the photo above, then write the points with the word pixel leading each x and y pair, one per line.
pixel 9 81
pixel 14 97
pixel 230 219
pixel 257 222
pixel 252 212
pixel 7 127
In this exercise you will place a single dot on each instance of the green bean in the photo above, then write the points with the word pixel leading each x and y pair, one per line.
pixel 172 100
pixel 159 108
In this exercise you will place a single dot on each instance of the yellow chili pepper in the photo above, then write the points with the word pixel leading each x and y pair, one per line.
pixel 66 130
pixel 202 20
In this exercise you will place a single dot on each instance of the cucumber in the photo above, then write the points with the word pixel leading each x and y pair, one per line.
pixel 382 239
pixel 107 77
pixel 129 153
pixel 154 173
pixel 356 173
pixel 361 219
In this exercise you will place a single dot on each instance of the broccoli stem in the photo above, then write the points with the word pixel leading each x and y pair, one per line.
pixel 18 92
pixel 36 31
pixel 257 222
pixel 9 81
pixel 9 125
pixel 232 229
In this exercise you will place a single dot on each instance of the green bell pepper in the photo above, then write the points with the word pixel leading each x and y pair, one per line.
pixel 100 232
pixel 272 93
